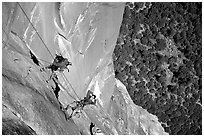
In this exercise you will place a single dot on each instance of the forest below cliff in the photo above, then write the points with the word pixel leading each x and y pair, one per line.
pixel 158 57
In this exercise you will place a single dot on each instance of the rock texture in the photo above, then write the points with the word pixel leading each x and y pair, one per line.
pixel 86 34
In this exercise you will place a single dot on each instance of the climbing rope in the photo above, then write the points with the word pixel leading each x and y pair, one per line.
pixel 35 30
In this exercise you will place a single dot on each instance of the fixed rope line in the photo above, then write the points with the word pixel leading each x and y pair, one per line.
pixel 70 85
pixel 35 30
pixel 44 44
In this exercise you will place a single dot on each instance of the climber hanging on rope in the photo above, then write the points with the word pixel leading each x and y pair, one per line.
pixel 59 64
pixel 76 107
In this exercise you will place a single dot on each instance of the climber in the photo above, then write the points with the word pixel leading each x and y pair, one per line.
pixel 60 63
pixel 76 107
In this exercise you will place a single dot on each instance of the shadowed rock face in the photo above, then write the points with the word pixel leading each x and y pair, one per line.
pixel 32 105
pixel 14 127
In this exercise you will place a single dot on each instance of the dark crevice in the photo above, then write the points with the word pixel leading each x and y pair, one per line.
pixel 14 33
pixel 56 92
pixel 56 89
pixel 91 128
pixel 62 36
pixel 35 60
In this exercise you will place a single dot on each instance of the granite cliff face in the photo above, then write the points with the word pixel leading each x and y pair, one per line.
pixel 86 34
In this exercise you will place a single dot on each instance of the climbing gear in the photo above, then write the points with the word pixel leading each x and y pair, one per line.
pixel 77 106
pixel 59 64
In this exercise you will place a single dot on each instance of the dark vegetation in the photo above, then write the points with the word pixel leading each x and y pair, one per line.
pixel 56 89
pixel 158 57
